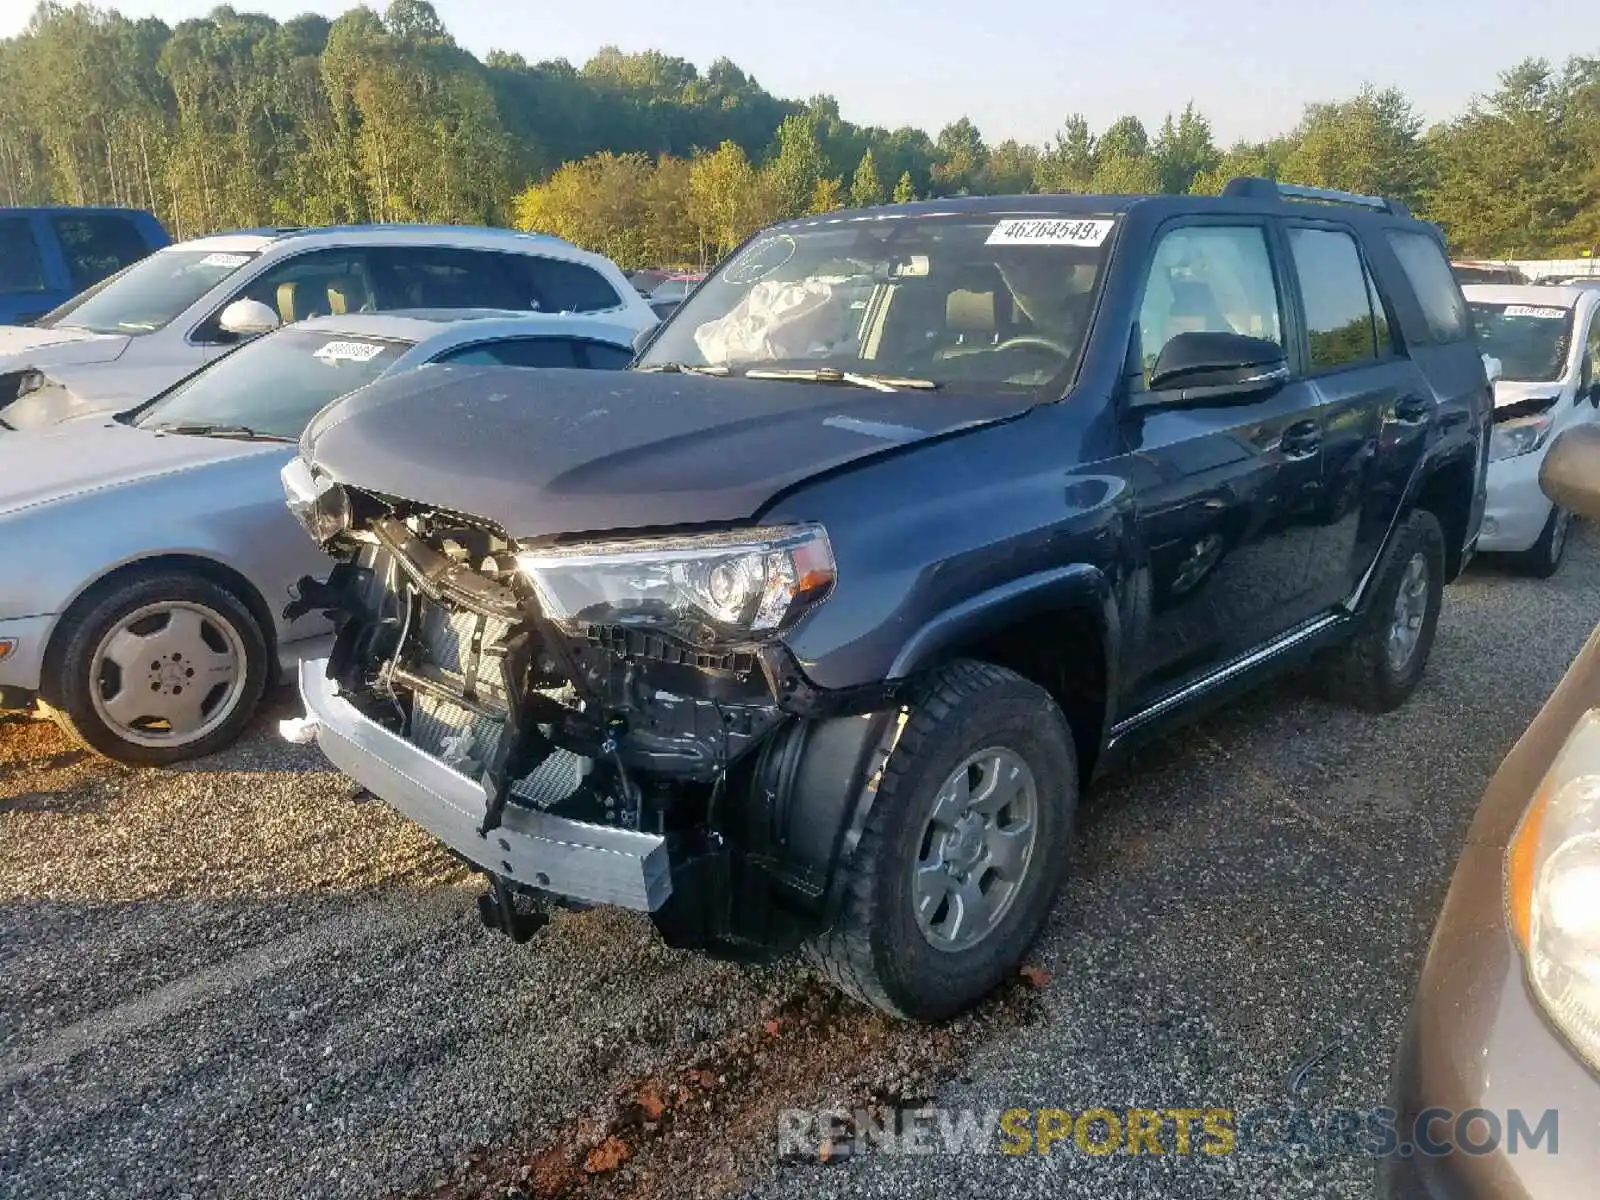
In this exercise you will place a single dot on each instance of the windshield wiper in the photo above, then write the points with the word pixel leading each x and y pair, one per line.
pixel 201 429
pixel 878 383
pixel 677 368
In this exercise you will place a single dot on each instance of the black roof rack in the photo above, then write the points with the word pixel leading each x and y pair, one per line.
pixel 1254 187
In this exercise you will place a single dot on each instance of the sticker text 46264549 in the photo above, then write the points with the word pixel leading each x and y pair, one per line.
pixel 1051 231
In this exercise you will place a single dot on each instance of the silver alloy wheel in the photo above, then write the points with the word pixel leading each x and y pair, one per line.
pixel 975 849
pixel 168 674
pixel 1558 534
pixel 1410 610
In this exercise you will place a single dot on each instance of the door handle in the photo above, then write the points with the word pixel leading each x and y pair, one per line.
pixel 1301 441
pixel 1413 410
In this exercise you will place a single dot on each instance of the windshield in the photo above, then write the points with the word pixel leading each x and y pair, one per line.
pixel 1530 340
pixel 979 302
pixel 274 385
pixel 148 295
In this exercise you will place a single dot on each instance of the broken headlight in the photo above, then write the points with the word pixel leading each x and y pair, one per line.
pixel 726 588
pixel 317 502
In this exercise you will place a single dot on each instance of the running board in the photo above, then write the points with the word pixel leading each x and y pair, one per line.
pixel 1228 671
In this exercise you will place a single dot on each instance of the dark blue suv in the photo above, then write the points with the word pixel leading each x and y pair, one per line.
pixel 909 523
pixel 49 255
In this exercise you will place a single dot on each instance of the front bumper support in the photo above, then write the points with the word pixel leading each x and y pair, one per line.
pixel 600 864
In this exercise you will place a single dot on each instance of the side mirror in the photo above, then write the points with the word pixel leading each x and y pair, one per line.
pixel 1570 473
pixel 248 318
pixel 1218 365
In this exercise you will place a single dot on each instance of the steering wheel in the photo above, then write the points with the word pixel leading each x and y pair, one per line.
pixel 1034 341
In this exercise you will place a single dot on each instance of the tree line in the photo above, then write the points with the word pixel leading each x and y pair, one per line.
pixel 236 120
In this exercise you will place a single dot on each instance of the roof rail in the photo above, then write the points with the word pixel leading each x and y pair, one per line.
pixel 1254 187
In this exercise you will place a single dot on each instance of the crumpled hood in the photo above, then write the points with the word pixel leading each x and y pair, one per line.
pixel 24 346
pixel 44 465
pixel 547 452
pixel 1514 392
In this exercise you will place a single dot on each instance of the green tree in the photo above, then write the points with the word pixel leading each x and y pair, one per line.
pixel 959 158
pixel 1183 150
pixel 797 165
pixel 826 196
pixel 866 189
pixel 904 192
pixel 1068 164
pixel 1010 169
pixel 1370 144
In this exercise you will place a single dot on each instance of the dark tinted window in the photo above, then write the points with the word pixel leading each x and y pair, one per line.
pixel 560 286
pixel 1437 291
pixel 518 352
pixel 1333 286
pixel 20 267
pixel 438 277
pixel 1209 279
pixel 603 356
pixel 97 245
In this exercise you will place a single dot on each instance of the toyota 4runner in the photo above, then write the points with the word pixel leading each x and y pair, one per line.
pixel 812 627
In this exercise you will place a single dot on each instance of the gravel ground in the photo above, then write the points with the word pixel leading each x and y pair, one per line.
pixel 234 980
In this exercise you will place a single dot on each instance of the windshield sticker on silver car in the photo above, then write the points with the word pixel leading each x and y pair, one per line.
pixel 1529 310
pixel 348 352
pixel 1050 233
pixel 225 260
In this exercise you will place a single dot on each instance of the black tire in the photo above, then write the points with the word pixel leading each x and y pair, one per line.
pixel 1543 559
pixel 70 672
pixel 876 950
pixel 1362 671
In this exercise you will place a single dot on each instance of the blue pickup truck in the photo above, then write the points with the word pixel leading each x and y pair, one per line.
pixel 49 255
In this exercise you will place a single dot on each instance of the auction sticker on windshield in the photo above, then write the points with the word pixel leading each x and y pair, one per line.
pixel 1529 310
pixel 1053 232
pixel 348 351
pixel 225 260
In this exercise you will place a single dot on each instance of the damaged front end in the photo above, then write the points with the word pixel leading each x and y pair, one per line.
pixel 583 722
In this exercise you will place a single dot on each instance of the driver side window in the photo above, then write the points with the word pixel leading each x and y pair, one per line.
pixel 1209 279
pixel 319 283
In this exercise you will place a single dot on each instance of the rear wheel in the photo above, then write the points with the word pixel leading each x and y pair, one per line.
pixel 1380 668
pixel 160 668
pixel 963 851
pixel 1543 558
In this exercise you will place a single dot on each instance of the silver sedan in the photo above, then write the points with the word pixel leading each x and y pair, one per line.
pixel 150 555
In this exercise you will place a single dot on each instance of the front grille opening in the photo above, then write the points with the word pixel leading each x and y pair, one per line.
pixel 638 644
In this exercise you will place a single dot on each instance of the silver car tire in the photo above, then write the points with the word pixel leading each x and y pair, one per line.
pixel 156 667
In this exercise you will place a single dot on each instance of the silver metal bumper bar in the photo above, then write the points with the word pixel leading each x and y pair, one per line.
pixel 596 863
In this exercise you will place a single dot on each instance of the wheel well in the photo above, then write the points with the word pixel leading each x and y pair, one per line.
pixel 207 568
pixel 1447 493
pixel 1064 652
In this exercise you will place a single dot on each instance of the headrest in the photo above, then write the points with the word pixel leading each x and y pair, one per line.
pixel 343 293
pixel 970 312
pixel 286 312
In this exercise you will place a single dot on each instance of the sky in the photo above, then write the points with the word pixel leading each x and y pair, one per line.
pixel 1017 67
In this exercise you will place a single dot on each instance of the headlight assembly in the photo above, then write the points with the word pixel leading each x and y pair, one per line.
pixel 731 588
pixel 320 505
pixel 1553 889
pixel 1520 435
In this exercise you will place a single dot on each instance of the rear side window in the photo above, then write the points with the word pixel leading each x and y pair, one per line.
pixel 1333 286
pixel 561 286
pixel 517 352
pixel 96 245
pixel 21 269
pixel 439 277
pixel 603 356
pixel 1426 267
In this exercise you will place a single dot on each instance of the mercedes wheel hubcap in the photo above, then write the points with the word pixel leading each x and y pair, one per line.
pixel 1410 610
pixel 168 674
pixel 976 847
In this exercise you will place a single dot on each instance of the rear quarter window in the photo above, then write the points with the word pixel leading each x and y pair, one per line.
pixel 562 286
pixel 1443 307
pixel 21 269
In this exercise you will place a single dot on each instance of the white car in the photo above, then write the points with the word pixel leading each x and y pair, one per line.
pixel 146 327
pixel 1547 342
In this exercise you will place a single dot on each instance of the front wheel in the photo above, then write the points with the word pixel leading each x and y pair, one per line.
pixel 159 668
pixel 1382 665
pixel 963 850
pixel 1543 559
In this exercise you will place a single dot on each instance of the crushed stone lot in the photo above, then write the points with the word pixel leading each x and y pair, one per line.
pixel 235 980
